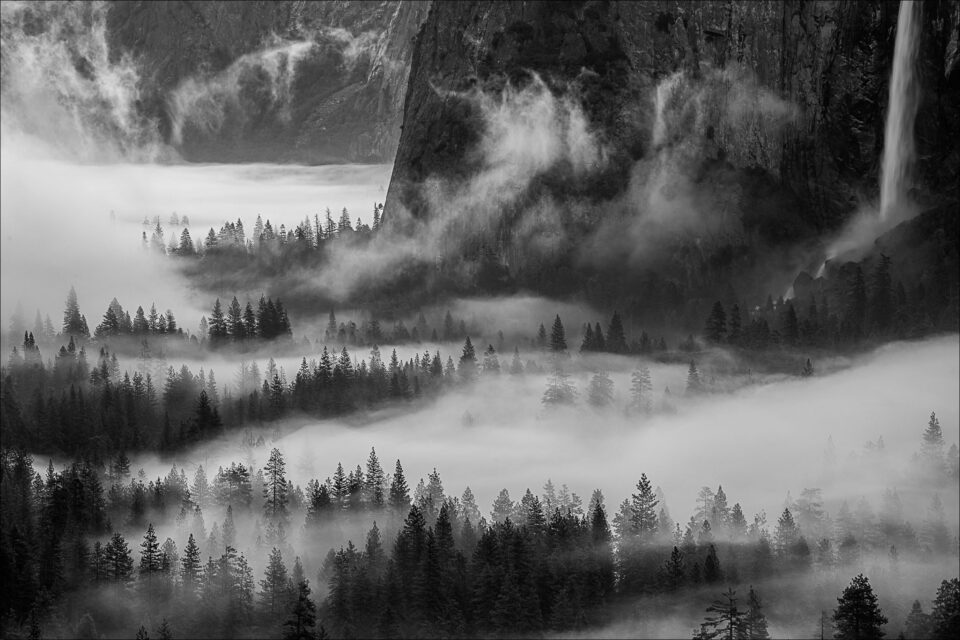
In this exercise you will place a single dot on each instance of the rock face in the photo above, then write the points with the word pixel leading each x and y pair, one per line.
pixel 272 81
pixel 792 94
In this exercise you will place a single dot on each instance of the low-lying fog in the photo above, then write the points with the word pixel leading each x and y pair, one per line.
pixel 759 442
pixel 58 229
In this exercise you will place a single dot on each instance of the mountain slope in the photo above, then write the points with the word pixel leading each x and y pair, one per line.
pixel 272 81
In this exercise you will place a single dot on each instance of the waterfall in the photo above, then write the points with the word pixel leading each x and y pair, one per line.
pixel 898 144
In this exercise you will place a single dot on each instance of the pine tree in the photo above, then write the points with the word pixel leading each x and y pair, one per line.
pixel 503 507
pixel 467 369
pixel 589 343
pixel 150 556
pixel 858 616
pixel 303 618
pixel 541 338
pixel 119 564
pixel 273 587
pixel 918 623
pixel 600 393
pixel 716 325
pixel 73 323
pixel 711 566
pixel 399 498
pixel 275 488
pixel 754 625
pixel 491 364
pixel 191 568
pixel 235 325
pixel 643 521
pixel 558 340
pixel 932 446
pixel 694 384
pixel 163 631
pixel 217 326
pixel 641 388
pixel 516 366
pixel 560 391
pixel 374 482
pixel 200 491
pixel 787 533
pixel 945 615
pixel 674 570
pixel 616 340
pixel 229 530
pixel 726 618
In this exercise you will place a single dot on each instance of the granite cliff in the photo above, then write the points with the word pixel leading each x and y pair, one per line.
pixel 790 96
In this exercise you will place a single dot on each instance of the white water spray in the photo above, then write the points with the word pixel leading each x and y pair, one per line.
pixel 898 144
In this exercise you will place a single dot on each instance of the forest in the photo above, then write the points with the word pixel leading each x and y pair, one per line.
pixel 431 564
pixel 234 552
pixel 646 324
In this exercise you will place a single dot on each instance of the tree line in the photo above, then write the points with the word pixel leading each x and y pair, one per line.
pixel 542 563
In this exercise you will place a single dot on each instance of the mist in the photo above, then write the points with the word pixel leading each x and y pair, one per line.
pixel 92 219
pixel 396 346
pixel 704 443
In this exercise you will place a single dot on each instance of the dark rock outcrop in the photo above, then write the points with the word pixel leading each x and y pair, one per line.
pixel 824 66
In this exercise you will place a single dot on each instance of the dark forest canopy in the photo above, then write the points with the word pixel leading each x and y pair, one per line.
pixel 80 552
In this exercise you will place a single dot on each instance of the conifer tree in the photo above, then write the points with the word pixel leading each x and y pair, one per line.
pixel 502 507
pixel 858 616
pixel 275 488
pixel 541 338
pixel 589 343
pixel 467 369
pixel 491 364
pixel 616 340
pixel 945 615
pixel 274 586
pixel 600 392
pixel 558 340
pixel 73 322
pixel 716 327
pixel 516 366
pixel 754 625
pixel 641 388
pixel 694 384
pixel 918 623
pixel 726 618
pixel 217 325
pixel 643 521
pixel 560 391
pixel 374 482
pixel 191 567
pixel 119 564
pixel 399 498
pixel 229 529
pixel 303 618
pixel 711 566
pixel 150 556
pixel 932 446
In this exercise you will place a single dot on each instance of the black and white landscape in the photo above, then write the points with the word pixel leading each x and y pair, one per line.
pixel 480 319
